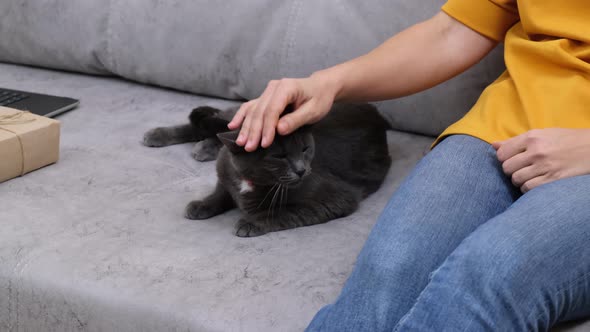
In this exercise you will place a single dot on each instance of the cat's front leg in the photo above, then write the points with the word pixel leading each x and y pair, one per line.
pixel 306 213
pixel 245 228
pixel 252 226
pixel 216 203
pixel 165 136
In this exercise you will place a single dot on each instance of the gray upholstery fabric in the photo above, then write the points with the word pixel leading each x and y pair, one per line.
pixel 228 49
pixel 97 242
pixel 59 34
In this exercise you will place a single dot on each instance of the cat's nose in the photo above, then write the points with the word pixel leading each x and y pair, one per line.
pixel 300 172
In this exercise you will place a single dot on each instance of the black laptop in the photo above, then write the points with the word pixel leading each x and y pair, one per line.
pixel 40 104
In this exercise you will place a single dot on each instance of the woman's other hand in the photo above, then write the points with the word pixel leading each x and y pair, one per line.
pixel 544 155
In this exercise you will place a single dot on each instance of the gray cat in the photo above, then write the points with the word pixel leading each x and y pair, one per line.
pixel 314 175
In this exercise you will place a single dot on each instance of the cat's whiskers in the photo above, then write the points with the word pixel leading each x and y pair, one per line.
pixel 287 180
pixel 268 193
pixel 272 204
pixel 281 200
pixel 286 194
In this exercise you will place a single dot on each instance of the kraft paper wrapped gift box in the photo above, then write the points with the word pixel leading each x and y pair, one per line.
pixel 27 142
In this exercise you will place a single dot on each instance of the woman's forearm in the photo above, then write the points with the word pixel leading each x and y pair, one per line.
pixel 416 59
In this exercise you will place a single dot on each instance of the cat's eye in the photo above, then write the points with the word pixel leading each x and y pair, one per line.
pixel 305 149
pixel 279 155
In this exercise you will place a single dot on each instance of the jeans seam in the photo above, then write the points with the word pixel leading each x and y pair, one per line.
pixel 572 285
pixel 422 293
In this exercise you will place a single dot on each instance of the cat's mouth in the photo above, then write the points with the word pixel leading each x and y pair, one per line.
pixel 292 181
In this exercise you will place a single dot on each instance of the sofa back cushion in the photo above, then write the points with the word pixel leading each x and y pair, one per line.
pixel 231 48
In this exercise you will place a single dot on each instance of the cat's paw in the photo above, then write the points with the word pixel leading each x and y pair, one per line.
pixel 247 229
pixel 156 137
pixel 206 150
pixel 198 210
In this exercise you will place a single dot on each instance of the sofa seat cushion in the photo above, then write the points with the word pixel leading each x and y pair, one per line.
pixel 98 241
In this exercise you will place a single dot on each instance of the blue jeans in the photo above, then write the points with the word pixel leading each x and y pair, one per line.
pixel 458 248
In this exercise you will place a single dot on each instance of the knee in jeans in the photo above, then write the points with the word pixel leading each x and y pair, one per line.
pixel 381 271
pixel 501 265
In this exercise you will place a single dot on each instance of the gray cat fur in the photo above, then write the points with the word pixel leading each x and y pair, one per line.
pixel 283 192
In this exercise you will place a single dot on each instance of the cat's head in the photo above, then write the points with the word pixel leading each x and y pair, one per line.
pixel 287 161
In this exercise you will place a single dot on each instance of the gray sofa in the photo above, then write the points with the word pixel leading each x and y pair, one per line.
pixel 97 242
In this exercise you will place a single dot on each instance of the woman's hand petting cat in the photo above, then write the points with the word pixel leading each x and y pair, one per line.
pixel 311 98
pixel 541 156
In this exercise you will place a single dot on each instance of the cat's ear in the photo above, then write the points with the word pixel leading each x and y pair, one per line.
pixel 229 140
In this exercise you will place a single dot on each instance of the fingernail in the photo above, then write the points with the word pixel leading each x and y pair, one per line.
pixel 264 142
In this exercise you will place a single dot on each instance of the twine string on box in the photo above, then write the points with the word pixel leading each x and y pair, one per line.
pixel 16 119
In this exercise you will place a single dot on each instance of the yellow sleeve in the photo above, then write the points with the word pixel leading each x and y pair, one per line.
pixel 491 18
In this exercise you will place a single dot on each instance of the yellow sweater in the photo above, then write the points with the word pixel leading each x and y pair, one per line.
pixel 547 54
